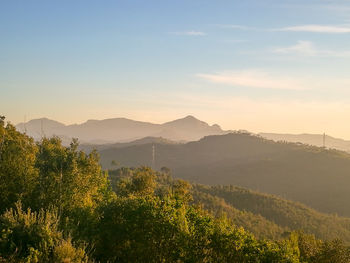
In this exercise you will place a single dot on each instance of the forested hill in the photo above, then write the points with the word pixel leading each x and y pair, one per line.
pixel 264 215
pixel 314 176
pixel 86 147
pixel 267 215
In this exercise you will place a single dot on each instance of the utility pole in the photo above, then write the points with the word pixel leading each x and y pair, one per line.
pixel 153 157
pixel 24 124
pixel 42 129
pixel 324 140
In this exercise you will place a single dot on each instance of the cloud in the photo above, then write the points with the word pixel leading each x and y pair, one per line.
pixel 307 48
pixel 240 27
pixel 338 29
pixel 302 47
pixel 189 33
pixel 314 28
pixel 252 79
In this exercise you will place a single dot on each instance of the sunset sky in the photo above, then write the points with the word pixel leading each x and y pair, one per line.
pixel 263 66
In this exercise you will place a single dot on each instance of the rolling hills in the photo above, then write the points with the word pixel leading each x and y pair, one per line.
pixel 317 177
pixel 268 215
pixel 264 215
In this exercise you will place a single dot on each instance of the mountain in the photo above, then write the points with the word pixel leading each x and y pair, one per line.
pixel 311 139
pixel 121 130
pixel 315 176
pixel 40 127
pixel 188 127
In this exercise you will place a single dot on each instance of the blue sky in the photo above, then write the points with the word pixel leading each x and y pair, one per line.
pixel 279 66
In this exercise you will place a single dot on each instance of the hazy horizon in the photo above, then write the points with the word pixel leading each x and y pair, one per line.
pixel 26 120
pixel 261 66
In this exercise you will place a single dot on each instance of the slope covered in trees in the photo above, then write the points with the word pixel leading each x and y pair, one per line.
pixel 63 208
pixel 270 216
pixel 317 177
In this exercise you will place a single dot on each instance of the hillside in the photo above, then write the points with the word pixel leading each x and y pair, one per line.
pixel 314 176
pixel 311 139
pixel 264 215
pixel 120 130
pixel 269 216
pixel 147 140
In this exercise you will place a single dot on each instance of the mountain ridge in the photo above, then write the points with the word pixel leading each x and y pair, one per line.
pixel 311 139
pixel 115 130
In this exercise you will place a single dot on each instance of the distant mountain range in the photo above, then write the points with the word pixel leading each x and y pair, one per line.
pixel 120 130
pixel 315 176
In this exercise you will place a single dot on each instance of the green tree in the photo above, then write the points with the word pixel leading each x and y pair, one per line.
pixel 140 229
pixel 140 181
pixel 333 251
pixel 68 179
pixel 18 173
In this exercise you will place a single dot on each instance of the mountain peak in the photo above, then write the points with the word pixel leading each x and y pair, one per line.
pixel 43 120
pixel 190 117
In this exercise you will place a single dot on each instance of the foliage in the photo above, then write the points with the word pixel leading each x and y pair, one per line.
pixel 69 208
pixel 18 173
pixel 260 226
pixel 283 214
pixel 28 236
pixel 68 179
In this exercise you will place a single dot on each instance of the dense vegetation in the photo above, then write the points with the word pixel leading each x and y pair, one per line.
pixel 270 216
pixel 57 205
pixel 311 175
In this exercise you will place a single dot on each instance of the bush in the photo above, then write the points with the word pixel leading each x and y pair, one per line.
pixel 33 237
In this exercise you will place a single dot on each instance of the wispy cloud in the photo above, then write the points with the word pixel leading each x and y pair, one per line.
pixel 235 41
pixel 331 29
pixel 189 33
pixel 313 28
pixel 252 79
pixel 302 47
pixel 240 27
pixel 307 48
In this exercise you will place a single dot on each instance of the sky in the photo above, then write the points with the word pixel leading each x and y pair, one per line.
pixel 262 66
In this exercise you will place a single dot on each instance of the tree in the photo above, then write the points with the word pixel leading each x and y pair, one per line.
pixel 140 181
pixel 140 229
pixel 68 179
pixel 181 190
pixel 18 173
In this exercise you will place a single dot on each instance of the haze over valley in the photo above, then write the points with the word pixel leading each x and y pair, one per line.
pixel 198 152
